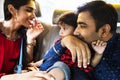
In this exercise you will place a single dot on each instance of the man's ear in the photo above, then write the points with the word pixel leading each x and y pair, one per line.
pixel 104 31
pixel 12 10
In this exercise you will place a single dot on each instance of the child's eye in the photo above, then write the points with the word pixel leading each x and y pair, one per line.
pixel 65 28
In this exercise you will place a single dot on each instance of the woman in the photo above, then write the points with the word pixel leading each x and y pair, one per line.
pixel 19 24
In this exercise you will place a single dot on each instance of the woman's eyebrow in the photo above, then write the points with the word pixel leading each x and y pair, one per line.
pixel 28 7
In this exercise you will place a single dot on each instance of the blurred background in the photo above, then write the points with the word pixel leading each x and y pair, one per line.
pixel 47 7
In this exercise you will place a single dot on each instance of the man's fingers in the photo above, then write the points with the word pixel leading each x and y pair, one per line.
pixel 84 56
pixel 79 57
pixel 73 53
pixel 88 55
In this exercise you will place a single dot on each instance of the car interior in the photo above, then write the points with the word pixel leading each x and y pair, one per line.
pixel 46 39
pixel 51 32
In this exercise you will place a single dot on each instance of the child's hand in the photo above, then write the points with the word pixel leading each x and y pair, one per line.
pixel 33 68
pixel 99 46
pixel 32 64
pixel 37 64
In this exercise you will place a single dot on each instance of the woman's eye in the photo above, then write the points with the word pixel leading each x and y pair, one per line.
pixel 29 10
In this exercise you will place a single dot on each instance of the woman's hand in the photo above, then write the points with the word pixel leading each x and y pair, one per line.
pixel 32 75
pixel 79 50
pixel 34 32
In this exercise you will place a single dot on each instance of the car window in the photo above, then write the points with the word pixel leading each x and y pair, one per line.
pixel 48 6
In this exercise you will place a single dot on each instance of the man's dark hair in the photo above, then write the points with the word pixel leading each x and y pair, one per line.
pixel 102 13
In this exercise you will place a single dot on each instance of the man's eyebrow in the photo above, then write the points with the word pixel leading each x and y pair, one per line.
pixel 81 23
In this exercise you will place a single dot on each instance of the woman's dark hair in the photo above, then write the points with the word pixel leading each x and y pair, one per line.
pixel 69 18
pixel 102 13
pixel 22 31
pixel 16 3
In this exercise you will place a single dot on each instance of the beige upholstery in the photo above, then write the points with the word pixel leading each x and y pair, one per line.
pixel 37 10
pixel 117 7
pixel 46 39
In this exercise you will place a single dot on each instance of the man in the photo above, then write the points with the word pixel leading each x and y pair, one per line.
pixel 97 20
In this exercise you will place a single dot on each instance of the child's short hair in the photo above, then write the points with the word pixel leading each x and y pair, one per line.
pixel 69 18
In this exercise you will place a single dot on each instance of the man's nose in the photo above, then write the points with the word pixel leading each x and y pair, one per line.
pixel 77 31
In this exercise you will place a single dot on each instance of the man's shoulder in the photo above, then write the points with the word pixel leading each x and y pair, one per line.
pixel 115 38
pixel 115 41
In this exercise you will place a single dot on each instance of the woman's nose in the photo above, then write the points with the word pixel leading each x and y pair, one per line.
pixel 33 15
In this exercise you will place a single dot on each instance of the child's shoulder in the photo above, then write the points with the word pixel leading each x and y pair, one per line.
pixel 58 40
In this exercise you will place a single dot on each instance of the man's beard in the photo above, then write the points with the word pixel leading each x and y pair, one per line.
pixel 81 38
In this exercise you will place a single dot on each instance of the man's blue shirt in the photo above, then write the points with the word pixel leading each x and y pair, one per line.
pixel 109 66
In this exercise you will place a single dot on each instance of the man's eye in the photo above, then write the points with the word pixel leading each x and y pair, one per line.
pixel 82 25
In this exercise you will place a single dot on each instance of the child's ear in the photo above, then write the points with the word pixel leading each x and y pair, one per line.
pixel 104 31
pixel 12 10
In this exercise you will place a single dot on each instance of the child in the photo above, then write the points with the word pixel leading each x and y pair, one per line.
pixel 67 22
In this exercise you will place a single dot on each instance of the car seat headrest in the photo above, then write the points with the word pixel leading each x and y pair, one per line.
pixel 117 7
pixel 56 14
pixel 37 10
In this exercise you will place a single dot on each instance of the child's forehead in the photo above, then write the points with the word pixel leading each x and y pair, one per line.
pixel 62 24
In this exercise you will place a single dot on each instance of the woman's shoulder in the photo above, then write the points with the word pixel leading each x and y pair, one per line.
pixel 1 24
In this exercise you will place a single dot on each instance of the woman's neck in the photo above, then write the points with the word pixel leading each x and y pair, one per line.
pixel 9 29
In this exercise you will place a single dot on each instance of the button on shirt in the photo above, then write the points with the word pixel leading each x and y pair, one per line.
pixel 109 66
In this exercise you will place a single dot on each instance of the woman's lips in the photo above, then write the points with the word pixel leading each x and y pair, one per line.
pixel 32 22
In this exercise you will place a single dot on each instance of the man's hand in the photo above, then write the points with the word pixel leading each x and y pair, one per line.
pixel 79 50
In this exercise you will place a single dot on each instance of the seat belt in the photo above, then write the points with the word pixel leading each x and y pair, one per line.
pixel 19 66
